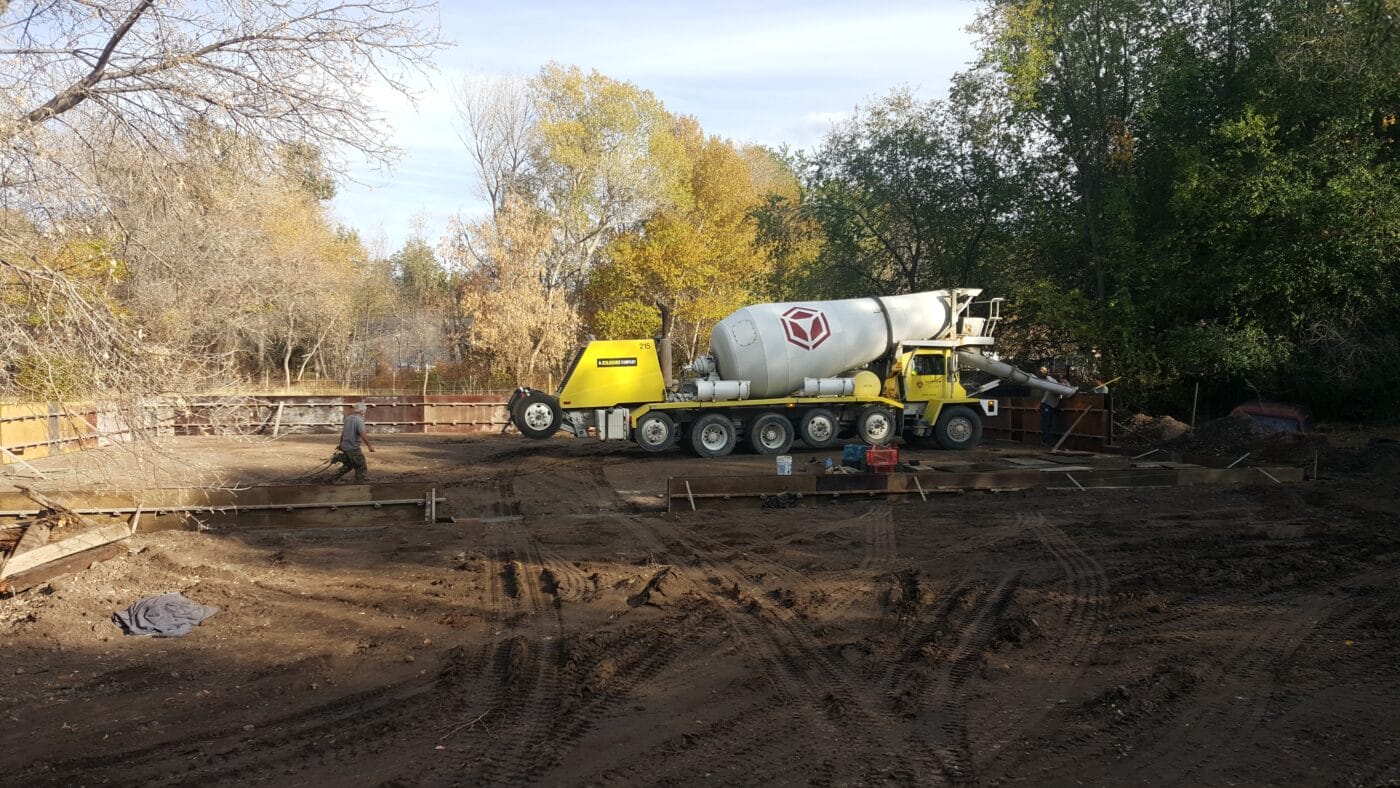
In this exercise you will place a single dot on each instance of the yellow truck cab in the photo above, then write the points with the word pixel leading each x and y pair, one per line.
pixel 936 405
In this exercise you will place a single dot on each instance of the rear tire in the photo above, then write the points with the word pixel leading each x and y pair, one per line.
pixel 958 428
pixel 655 432
pixel 713 435
pixel 875 425
pixel 771 433
pixel 537 415
pixel 820 429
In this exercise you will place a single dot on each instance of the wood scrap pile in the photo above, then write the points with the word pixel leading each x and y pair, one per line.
pixel 57 541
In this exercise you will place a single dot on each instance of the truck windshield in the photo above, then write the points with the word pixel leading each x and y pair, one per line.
pixel 928 365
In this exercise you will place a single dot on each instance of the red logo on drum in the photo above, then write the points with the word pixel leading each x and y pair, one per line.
pixel 805 327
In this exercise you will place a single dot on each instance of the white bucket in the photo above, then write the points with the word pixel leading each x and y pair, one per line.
pixel 784 465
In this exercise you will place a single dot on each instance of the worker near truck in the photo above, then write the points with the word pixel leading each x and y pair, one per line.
pixel 1049 406
pixel 348 453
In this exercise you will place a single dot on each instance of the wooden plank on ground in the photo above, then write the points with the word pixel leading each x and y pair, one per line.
pixel 157 500
pixel 76 562
pixel 62 549
pixel 35 535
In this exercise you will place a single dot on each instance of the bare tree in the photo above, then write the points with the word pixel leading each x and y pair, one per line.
pixel 82 79
pixel 291 71
pixel 497 125
pixel 521 324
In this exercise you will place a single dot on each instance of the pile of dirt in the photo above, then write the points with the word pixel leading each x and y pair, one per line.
pixel 1236 435
pixel 1381 456
pixel 1156 429
pixel 1232 435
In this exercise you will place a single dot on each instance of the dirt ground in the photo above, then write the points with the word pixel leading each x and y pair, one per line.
pixel 565 633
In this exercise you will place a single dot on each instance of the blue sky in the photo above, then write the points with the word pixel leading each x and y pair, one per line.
pixel 776 72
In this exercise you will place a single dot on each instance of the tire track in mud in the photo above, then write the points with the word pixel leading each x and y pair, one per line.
pixel 339 732
pixel 880 548
pixel 229 753
pixel 1165 751
pixel 503 669
pixel 1080 633
pixel 1329 621
pixel 754 738
pixel 802 671
pixel 574 681
pixel 1214 722
pixel 940 703
pixel 526 667
pixel 1181 744
pixel 922 629
pixel 754 741
pixel 561 579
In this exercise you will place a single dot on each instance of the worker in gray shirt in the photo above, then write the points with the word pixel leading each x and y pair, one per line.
pixel 1049 406
pixel 348 453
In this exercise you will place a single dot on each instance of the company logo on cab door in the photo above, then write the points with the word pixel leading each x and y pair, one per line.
pixel 805 327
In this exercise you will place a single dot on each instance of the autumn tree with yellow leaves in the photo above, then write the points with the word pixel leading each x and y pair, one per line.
pixel 697 257
pixel 626 208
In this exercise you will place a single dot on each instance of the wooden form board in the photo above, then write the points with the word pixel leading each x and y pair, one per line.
pixel 157 499
pixel 53 551
pixel 748 491
pixel 287 506
pixel 72 563
pixel 1018 419
pixel 30 431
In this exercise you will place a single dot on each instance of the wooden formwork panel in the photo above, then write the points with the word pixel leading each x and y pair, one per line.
pixel 349 505
pixel 683 494
pixel 35 430
pixel 1090 415
pixel 464 417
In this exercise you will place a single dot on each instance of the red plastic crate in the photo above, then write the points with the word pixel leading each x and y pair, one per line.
pixel 882 459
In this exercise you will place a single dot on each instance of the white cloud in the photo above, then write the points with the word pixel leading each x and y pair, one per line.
pixel 780 72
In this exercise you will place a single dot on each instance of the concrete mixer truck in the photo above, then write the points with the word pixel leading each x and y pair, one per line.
pixel 819 371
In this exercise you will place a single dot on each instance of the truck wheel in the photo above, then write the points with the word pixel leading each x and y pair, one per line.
pixel 875 425
pixel 958 428
pixel 537 415
pixel 770 433
pixel 820 429
pixel 655 432
pixel 713 435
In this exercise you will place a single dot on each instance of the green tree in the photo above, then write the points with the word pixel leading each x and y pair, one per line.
pixel 907 197
pixel 420 276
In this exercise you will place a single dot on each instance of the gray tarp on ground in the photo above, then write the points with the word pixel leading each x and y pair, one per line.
pixel 167 615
